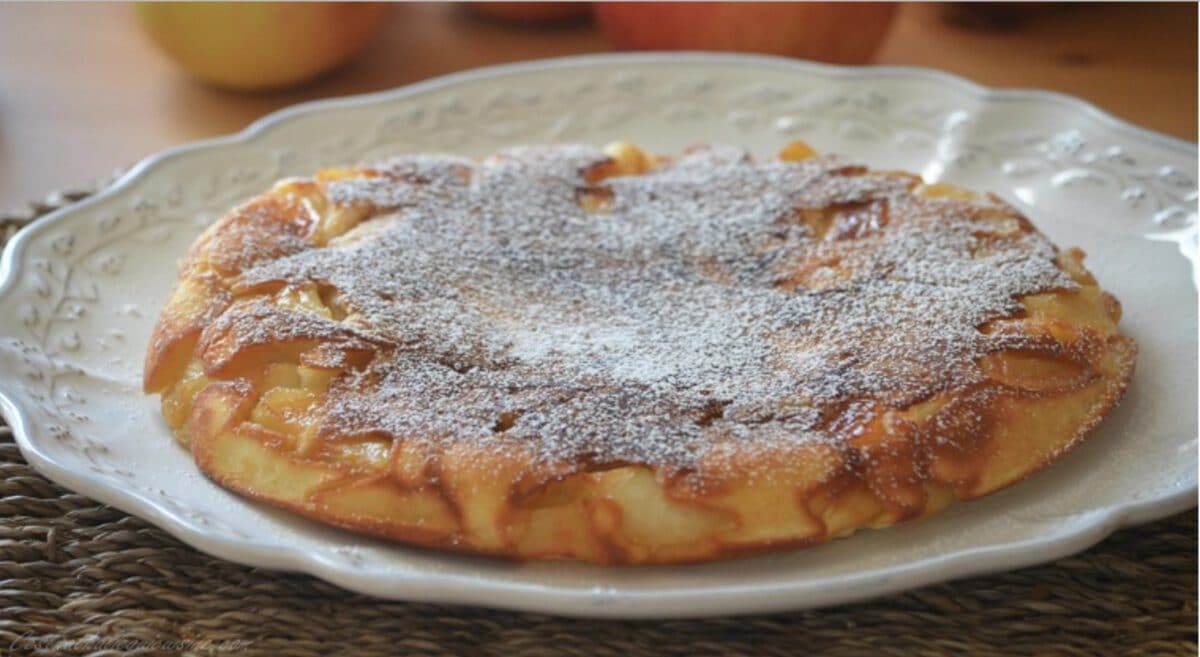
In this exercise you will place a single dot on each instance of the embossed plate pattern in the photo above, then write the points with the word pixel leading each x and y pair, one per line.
pixel 82 287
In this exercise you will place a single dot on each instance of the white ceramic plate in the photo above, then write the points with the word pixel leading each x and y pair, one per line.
pixel 82 287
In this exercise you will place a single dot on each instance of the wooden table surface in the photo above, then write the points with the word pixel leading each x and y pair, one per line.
pixel 83 92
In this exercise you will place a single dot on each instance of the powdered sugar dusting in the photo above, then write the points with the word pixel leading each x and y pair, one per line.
pixel 696 308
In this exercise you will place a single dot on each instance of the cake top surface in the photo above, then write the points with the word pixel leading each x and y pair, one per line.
pixel 715 300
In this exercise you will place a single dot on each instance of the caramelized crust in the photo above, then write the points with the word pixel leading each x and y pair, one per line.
pixel 373 408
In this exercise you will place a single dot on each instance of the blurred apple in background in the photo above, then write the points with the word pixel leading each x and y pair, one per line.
pixel 260 45
pixel 531 13
pixel 843 33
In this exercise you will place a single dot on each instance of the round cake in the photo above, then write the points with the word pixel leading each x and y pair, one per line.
pixel 566 352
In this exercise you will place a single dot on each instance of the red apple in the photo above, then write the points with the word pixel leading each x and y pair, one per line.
pixel 844 33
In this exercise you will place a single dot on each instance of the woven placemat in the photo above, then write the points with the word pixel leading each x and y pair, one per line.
pixel 81 578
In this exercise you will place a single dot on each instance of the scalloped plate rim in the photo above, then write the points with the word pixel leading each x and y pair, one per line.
pixel 721 599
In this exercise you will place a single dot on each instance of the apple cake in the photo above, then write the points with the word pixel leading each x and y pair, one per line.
pixel 567 352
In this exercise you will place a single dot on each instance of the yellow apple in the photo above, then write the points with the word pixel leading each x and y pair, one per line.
pixel 260 45
pixel 846 33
